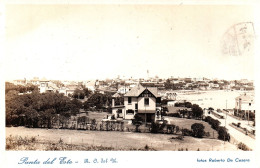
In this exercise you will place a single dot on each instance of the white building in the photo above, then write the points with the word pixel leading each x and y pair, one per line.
pixel 44 84
pixel 123 89
pixel 245 103
pixel 139 100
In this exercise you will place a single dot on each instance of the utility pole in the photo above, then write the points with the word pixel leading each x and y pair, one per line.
pixel 225 124
pixel 248 111
pixel 226 114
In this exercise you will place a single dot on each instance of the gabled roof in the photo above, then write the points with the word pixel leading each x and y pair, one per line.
pixel 154 91
pixel 135 91
pixel 138 89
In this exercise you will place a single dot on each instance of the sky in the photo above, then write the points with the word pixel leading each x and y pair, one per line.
pixel 81 42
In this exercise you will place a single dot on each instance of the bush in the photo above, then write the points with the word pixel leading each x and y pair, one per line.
pixel 154 127
pixel 174 115
pixel 207 134
pixel 146 147
pixel 186 132
pixel 177 129
pixel 137 121
pixel 179 137
pixel 234 124
pixel 197 111
pixel 208 119
pixel 214 123
pixel 198 130
pixel 238 124
pixel 243 147
pixel 223 134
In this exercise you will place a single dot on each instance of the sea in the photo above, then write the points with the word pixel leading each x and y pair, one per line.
pixel 218 99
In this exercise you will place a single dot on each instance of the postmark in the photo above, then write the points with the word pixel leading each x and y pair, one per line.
pixel 239 39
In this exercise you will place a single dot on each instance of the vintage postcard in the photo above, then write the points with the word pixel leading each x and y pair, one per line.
pixel 123 84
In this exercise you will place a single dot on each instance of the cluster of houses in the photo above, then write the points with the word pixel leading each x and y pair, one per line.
pixel 65 87
pixel 211 84
pixel 124 85
pixel 139 97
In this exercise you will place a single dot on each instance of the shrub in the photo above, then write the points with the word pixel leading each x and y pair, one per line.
pixel 215 124
pixel 198 130
pixel 33 139
pixel 177 129
pixel 170 128
pixel 60 141
pixel 207 134
pixel 180 149
pixel 154 127
pixel 146 147
pixel 208 119
pixel 186 132
pixel 223 134
pixel 238 124
pixel 113 117
pixel 179 137
pixel 243 147
pixel 197 111
pixel 137 121
pixel 174 115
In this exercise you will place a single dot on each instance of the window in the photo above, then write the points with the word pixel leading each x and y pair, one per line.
pixel 130 111
pixel 158 100
pixel 129 100
pixel 136 106
pixel 146 101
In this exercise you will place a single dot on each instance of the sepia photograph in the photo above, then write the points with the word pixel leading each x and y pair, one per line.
pixel 129 77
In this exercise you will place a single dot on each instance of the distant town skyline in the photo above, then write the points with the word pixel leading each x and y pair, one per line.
pixel 86 42
pixel 127 78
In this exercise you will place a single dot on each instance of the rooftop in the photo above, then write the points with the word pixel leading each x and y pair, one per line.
pixel 245 97
pixel 138 89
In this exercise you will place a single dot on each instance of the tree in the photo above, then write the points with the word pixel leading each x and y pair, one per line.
pixel 137 121
pixel 119 100
pixel 99 101
pixel 223 134
pixel 78 94
pixel 154 127
pixel 86 92
pixel 188 104
pixel 168 84
pixel 197 111
pixel 38 109
pixel 215 124
pixel 198 130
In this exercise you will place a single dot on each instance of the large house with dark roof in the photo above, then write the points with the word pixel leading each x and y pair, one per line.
pixel 144 101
